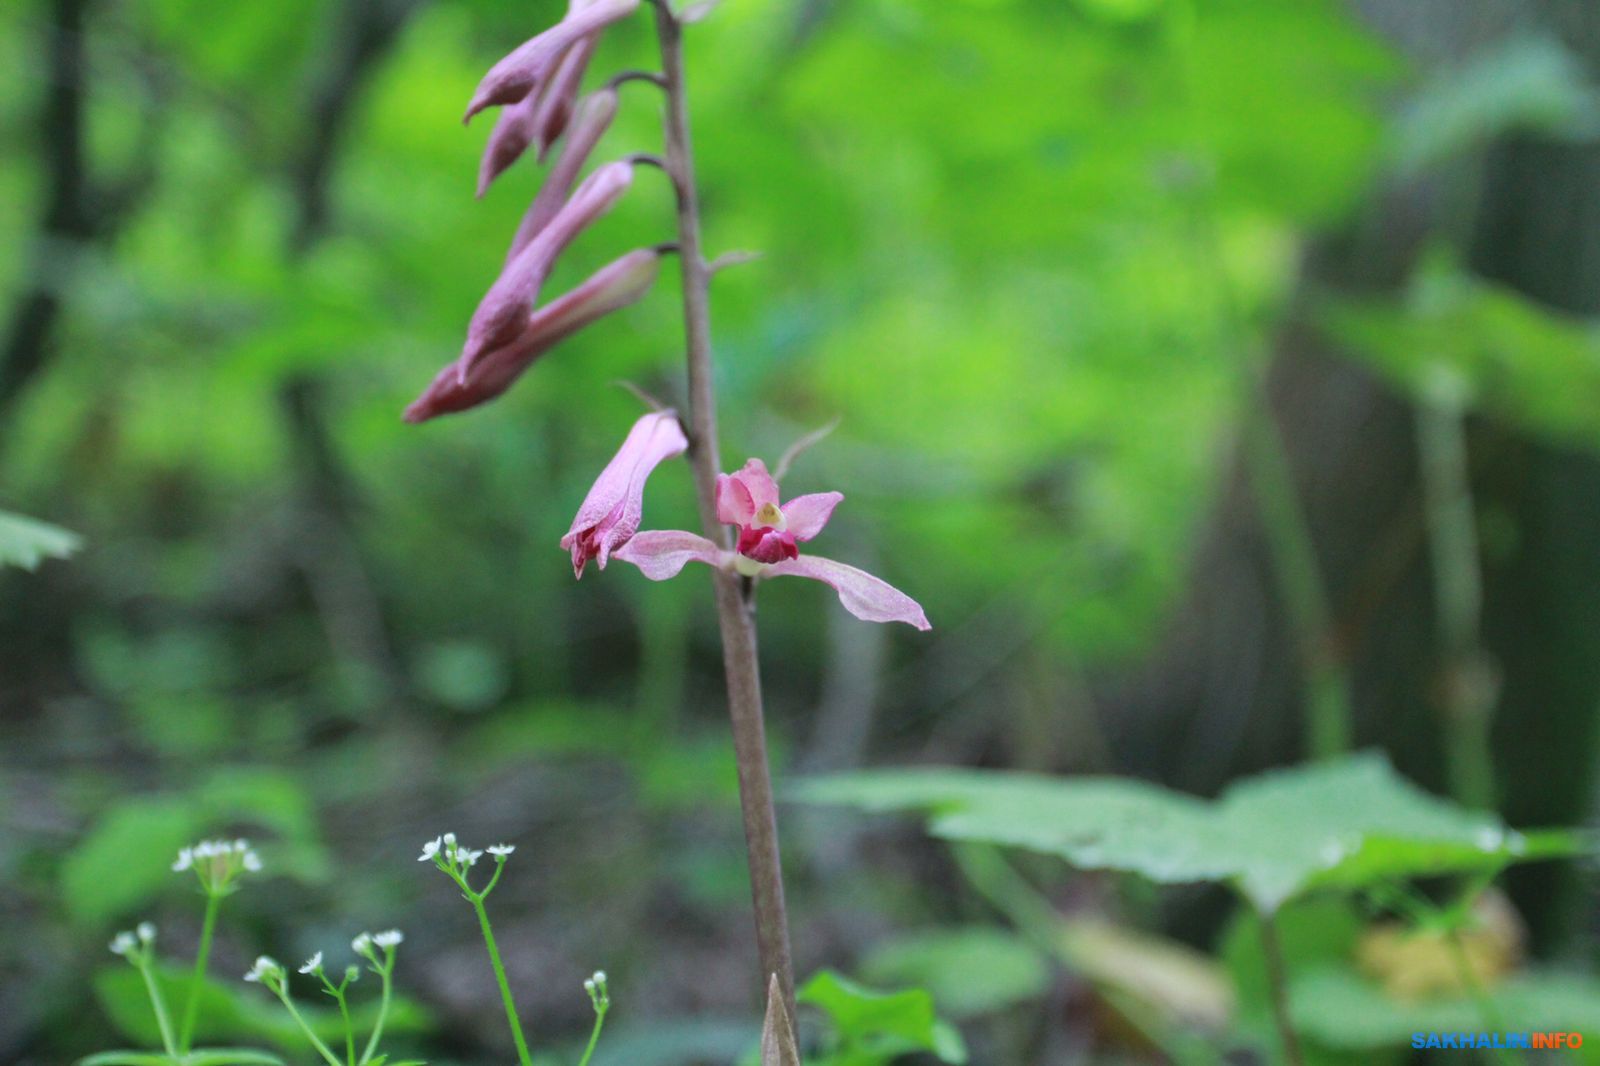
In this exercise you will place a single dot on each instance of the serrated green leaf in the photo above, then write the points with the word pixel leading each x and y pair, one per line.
pixel 1349 823
pixel 26 542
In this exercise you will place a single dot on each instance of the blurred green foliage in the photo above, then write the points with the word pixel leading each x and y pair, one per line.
pixel 1011 244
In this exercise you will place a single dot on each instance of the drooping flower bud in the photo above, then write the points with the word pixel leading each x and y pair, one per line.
pixel 527 68
pixel 463 384
pixel 538 119
pixel 503 313
pixel 610 514
pixel 593 118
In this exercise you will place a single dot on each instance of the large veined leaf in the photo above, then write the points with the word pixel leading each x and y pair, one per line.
pixel 26 542
pixel 1348 823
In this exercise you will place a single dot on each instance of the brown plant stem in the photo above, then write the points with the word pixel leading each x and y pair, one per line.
pixel 735 610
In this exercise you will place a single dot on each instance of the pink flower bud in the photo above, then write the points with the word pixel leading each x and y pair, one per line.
pixel 527 68
pixel 503 313
pixel 611 512
pixel 593 118
pixel 468 383
pixel 538 119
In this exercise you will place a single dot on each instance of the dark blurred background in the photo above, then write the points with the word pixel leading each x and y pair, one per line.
pixel 1205 367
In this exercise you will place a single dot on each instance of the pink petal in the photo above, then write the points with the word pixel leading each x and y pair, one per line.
pixel 521 72
pixel 611 513
pixel 613 286
pixel 806 515
pixel 766 545
pixel 734 505
pixel 863 595
pixel 660 554
pixel 594 116
pixel 503 313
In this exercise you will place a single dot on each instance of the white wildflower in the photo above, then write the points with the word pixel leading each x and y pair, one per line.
pixel 430 850
pixel 124 944
pixel 361 944
pixel 147 932
pixel 252 862
pixel 389 938
pixel 265 969
pixel 185 860
pixel 500 851
pixel 468 856
pixel 313 964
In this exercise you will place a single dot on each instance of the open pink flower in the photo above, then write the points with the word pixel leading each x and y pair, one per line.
pixel 611 512
pixel 468 383
pixel 537 62
pixel 769 535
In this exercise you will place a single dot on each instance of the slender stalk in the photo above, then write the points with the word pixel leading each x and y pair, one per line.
pixel 316 1042
pixel 1278 979
pixel 1458 595
pixel 383 1011
pixel 594 1038
pixel 523 1055
pixel 735 611
pixel 159 1006
pixel 202 955
pixel 349 1033
pixel 1474 988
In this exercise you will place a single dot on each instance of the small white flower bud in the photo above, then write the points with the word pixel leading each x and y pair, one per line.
pixel 147 932
pixel 123 944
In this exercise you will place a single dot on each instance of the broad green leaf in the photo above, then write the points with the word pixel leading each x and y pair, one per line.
pixel 1348 824
pixel 26 542
pixel 891 1022
pixel 1340 1009
pixel 944 961
pixel 125 860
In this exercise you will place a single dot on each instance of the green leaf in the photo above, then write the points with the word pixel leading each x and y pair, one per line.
pixel 26 542
pixel 1348 823
pixel 1340 1009
pixel 944 961
pixel 218 1056
pixel 126 1058
pixel 125 860
pixel 888 1022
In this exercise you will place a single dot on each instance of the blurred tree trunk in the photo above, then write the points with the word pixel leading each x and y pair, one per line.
pixel 1223 692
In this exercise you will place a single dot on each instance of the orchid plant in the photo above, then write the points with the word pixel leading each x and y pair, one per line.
pixel 749 534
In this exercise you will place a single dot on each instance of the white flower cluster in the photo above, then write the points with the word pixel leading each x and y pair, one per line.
pixel 388 940
pixel 134 946
pixel 445 849
pixel 218 862
pixel 599 995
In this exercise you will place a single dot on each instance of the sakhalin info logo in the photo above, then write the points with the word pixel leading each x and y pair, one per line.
pixel 1508 1041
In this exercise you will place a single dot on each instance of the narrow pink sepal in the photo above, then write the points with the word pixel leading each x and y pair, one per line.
pixel 863 595
pixel 593 118
pixel 513 132
pixel 503 313
pixel 521 72
pixel 807 515
pixel 611 513
pixel 660 554
pixel 608 289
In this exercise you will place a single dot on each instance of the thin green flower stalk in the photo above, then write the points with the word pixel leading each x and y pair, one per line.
pixel 600 997
pixel 456 861
pixel 138 947
pixel 367 945
pixel 217 865
pixel 271 975
pixel 313 967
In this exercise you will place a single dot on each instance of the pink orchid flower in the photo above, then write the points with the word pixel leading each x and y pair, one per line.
pixel 528 69
pixel 461 385
pixel 611 512
pixel 769 535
